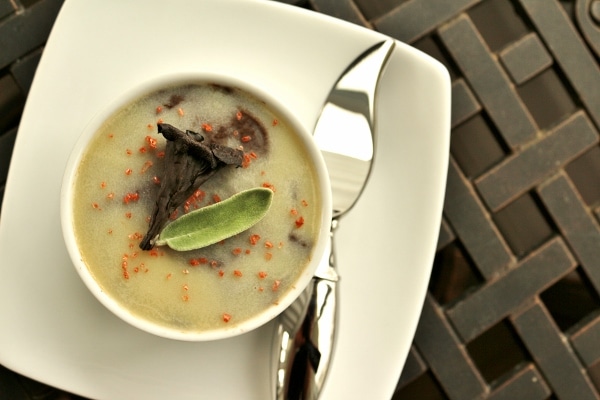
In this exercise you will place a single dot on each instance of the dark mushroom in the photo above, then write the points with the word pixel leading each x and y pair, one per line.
pixel 189 162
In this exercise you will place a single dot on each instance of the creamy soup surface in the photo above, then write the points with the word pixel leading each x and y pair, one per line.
pixel 228 282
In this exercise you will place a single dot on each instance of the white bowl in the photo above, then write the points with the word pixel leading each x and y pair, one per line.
pixel 121 310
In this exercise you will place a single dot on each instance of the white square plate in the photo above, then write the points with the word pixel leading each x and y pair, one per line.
pixel 54 330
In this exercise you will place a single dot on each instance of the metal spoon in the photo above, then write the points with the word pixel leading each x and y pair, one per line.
pixel 304 337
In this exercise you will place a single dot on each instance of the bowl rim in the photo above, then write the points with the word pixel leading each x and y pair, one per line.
pixel 66 203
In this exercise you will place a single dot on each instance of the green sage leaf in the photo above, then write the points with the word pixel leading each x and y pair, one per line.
pixel 211 224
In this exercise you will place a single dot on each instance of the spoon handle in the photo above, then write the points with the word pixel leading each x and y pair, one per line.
pixel 306 336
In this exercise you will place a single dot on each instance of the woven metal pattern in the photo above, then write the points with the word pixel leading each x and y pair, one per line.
pixel 513 308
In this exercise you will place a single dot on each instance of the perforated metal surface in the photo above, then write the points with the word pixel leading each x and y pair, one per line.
pixel 513 309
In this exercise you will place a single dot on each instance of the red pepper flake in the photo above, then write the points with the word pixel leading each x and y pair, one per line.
pixel 180 112
pixel 237 273
pixel 185 287
pixel 238 115
pixel 160 154
pixel 221 273
pixel 253 155
pixel 207 127
pixel 246 161
pixel 305 203
pixel 193 200
pixel 150 126
pixel 135 236
pixel 261 289
pixel 194 262
pixel 131 197
pixel 268 244
pixel 203 260
pixel 128 152
pixel 268 256
pixel 268 186
pixel 151 142
pixel 276 285
pixel 159 109
pixel 110 231
pixel 293 211
pixel 146 166
pixel 156 180
pixel 246 139
pixel 110 196
pixel 96 206
pixel 226 317
pixel 198 195
pixel 299 222
pixel 128 171
pixel 262 274
pixel 174 215
pixel 216 198
pixel 254 239
pixel 214 263
pixel 110 136
pixel 169 276
pixel 236 133
pixel 275 122
pixel 154 253
pixel 143 150
pixel 159 121
pixel 124 269
pixel 185 297
pixel 128 215
pixel 136 269
pixel 248 251
pixel 102 185
pixel 237 251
